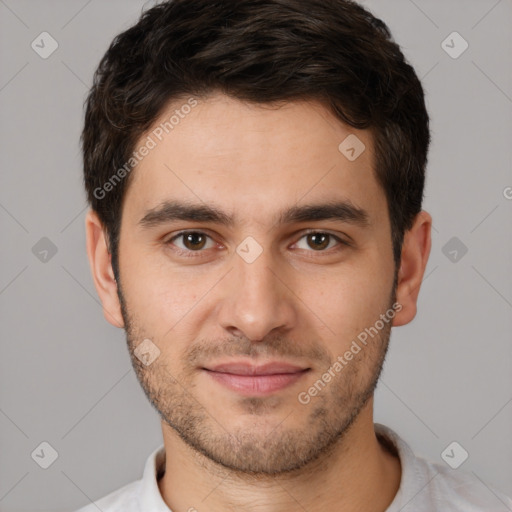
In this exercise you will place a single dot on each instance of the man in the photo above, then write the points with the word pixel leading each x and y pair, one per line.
pixel 255 170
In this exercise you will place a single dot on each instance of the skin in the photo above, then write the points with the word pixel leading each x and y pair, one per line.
pixel 294 303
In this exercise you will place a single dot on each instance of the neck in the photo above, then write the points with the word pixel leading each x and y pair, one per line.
pixel 358 473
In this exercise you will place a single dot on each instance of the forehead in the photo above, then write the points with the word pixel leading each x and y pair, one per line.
pixel 245 157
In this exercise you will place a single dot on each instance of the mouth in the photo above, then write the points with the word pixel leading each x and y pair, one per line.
pixel 256 380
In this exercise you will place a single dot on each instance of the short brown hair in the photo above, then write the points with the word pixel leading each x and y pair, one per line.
pixel 262 51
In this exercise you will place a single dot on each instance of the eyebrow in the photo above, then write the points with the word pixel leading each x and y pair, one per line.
pixel 169 211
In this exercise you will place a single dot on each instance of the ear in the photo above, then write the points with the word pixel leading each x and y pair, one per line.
pixel 101 268
pixel 415 253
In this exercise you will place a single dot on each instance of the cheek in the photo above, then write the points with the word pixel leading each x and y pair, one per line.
pixel 349 300
pixel 163 299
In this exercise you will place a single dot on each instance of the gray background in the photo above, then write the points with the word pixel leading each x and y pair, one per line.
pixel 65 374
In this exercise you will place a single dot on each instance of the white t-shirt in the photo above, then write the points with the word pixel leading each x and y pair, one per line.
pixel 424 487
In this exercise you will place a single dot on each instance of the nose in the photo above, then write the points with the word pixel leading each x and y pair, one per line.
pixel 257 300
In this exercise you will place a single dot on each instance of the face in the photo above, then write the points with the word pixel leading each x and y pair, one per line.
pixel 252 255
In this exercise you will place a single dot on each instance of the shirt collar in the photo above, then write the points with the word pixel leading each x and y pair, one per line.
pixel 151 499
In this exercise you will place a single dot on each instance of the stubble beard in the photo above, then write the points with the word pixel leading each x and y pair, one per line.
pixel 317 427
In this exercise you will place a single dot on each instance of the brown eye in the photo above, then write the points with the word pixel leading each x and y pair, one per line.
pixel 191 241
pixel 321 242
pixel 318 241
pixel 194 241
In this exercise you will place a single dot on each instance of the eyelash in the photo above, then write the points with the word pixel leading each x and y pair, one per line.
pixel 194 254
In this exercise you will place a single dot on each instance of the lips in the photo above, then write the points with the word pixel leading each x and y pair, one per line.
pixel 255 380
pixel 272 368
